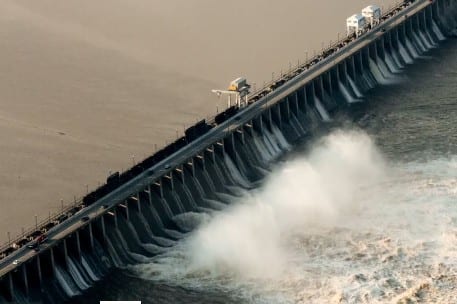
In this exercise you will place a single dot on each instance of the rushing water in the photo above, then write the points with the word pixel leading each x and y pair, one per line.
pixel 363 214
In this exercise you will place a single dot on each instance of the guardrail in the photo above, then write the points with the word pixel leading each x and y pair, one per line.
pixel 336 45
pixel 40 227
pixel 44 225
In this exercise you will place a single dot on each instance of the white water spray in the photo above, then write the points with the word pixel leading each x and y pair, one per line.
pixel 246 240
pixel 330 227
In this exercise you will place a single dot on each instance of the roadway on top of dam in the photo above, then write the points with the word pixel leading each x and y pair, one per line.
pixel 139 183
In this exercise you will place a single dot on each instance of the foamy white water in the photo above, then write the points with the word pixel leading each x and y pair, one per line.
pixel 339 225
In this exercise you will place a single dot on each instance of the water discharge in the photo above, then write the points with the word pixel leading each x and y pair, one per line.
pixel 347 96
pixel 378 73
pixel 391 64
pixel 338 224
pixel 396 58
pixel 412 50
pixel 321 109
pixel 437 31
pixel 354 87
pixel 309 211
pixel 404 54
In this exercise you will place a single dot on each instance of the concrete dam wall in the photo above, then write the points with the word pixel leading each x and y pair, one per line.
pixel 138 217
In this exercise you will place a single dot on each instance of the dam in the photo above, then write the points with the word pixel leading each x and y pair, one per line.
pixel 137 213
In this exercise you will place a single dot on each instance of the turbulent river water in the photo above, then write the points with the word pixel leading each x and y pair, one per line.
pixel 364 213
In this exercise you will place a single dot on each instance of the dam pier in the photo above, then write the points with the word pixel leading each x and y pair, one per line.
pixel 143 211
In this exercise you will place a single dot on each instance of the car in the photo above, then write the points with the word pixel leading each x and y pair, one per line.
pixel 167 166
pixel 85 219
pixel 16 262
pixel 42 238
pixel 33 245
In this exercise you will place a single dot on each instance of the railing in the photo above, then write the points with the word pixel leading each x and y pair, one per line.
pixel 42 226
pixel 69 210
pixel 308 62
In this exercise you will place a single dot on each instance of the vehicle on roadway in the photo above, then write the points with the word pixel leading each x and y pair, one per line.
pixel 33 245
pixel 41 238
pixel 85 219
